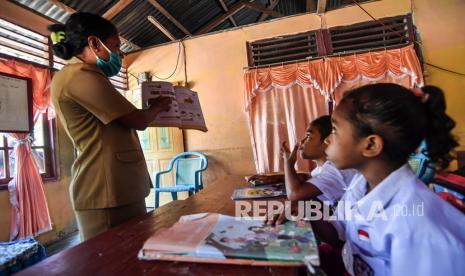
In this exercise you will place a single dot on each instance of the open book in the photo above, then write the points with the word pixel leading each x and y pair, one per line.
pixel 215 238
pixel 185 110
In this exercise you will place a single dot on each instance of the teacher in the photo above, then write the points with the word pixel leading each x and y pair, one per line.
pixel 109 177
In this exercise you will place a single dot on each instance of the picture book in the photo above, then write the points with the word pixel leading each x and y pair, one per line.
pixel 265 191
pixel 185 111
pixel 215 238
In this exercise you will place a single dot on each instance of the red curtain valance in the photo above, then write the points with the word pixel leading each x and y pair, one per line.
pixel 325 75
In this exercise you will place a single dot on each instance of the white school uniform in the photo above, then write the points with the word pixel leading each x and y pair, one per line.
pixel 331 181
pixel 399 228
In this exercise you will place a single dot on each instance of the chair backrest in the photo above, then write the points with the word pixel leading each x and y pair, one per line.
pixel 421 164
pixel 186 168
pixel 450 187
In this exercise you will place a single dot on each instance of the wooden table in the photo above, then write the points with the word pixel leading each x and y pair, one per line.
pixel 115 251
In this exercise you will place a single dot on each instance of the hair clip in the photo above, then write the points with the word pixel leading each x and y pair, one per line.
pixel 57 37
pixel 421 94
pixel 418 92
pixel 425 98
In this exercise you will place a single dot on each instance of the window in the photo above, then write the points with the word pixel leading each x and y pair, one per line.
pixel 42 146
pixel 391 32
pixel 284 48
pixel 5 152
pixel 21 43
pixel 24 44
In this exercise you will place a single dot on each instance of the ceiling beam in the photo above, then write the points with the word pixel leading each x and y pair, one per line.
pixel 62 5
pixel 161 27
pixel 271 5
pixel 233 10
pixel 225 9
pixel 321 7
pixel 129 43
pixel 262 8
pixel 71 11
pixel 116 9
pixel 169 16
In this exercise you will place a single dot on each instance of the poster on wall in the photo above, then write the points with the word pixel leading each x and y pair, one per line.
pixel 15 103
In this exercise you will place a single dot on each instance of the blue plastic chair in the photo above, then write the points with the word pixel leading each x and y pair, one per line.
pixel 421 164
pixel 188 175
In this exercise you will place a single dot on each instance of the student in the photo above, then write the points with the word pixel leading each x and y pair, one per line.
pixel 326 183
pixel 109 178
pixel 388 221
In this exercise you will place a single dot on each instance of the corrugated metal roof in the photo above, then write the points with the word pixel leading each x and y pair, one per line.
pixel 98 7
pixel 46 8
pixel 291 7
pixel 133 24
pixel 193 15
pixel 246 16
pixel 336 4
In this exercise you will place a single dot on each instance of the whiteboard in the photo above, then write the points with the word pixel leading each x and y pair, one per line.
pixel 15 103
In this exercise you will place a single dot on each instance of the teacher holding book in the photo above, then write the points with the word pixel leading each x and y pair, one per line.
pixel 109 180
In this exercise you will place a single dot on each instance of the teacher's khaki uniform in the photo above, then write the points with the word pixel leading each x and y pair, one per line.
pixel 109 176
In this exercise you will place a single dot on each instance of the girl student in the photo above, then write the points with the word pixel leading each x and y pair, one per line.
pixel 388 222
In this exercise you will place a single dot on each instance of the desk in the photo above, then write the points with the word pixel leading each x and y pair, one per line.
pixel 115 251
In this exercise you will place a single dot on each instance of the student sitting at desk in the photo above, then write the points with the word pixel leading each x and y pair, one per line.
pixel 388 221
pixel 326 182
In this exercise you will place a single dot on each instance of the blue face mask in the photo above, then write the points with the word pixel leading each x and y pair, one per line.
pixel 111 67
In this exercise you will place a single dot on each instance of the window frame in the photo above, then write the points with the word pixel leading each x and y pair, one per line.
pixel 325 42
pixel 49 130
pixel 15 37
pixel 6 163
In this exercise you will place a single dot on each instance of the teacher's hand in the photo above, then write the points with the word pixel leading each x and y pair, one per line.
pixel 160 103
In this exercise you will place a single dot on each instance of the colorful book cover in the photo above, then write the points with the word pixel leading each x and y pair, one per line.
pixel 267 191
pixel 216 238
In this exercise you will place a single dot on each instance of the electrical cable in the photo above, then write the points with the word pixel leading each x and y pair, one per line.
pixel 176 67
pixel 444 69
pixel 402 37
pixel 185 63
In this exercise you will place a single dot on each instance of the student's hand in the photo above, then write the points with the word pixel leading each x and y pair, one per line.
pixel 254 177
pixel 288 156
pixel 281 217
pixel 161 103
pixel 263 179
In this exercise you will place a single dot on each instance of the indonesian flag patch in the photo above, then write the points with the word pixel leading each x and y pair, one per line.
pixel 363 235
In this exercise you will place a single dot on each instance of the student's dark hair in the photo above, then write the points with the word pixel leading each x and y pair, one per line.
pixel 77 29
pixel 323 124
pixel 402 119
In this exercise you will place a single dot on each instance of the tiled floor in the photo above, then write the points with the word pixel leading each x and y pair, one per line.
pixel 164 198
pixel 67 242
